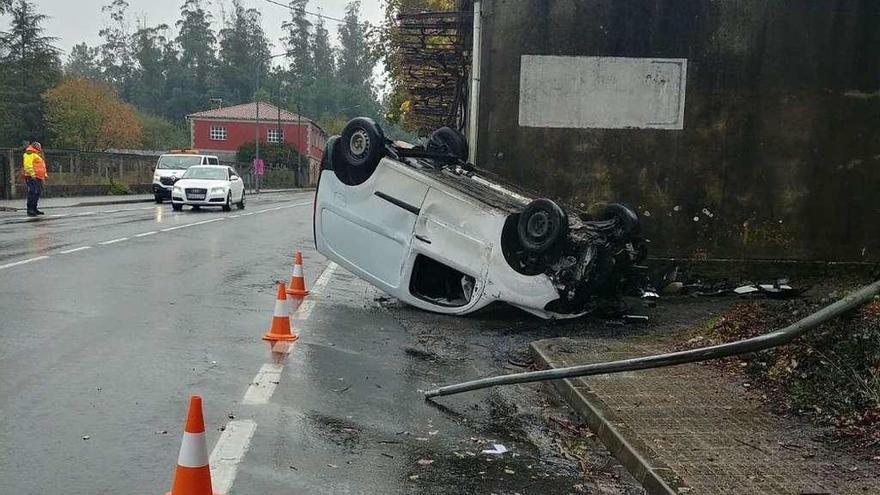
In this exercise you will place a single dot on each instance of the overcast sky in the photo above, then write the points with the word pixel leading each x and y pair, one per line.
pixel 74 21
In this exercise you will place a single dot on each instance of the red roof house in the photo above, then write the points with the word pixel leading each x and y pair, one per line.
pixel 222 131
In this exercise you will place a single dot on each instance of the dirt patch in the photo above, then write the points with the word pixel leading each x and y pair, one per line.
pixel 831 375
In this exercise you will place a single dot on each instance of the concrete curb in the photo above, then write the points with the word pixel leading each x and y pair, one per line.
pixel 656 477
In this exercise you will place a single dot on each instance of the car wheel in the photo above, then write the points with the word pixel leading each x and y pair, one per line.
pixel 228 205
pixel 361 146
pixel 176 207
pixel 448 141
pixel 627 219
pixel 158 199
pixel 541 224
pixel 241 203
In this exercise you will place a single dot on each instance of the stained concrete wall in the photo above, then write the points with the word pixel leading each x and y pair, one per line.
pixel 779 155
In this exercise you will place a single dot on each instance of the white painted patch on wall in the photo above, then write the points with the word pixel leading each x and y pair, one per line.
pixel 602 92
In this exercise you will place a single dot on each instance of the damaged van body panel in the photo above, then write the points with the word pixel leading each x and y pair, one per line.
pixel 444 236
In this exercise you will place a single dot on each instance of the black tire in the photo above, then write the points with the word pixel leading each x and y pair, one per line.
pixel 176 207
pixel 228 205
pixel 541 225
pixel 360 148
pixel 448 141
pixel 329 152
pixel 240 204
pixel 158 199
pixel 627 218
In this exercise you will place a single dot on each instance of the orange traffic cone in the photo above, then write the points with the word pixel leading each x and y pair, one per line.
pixel 297 282
pixel 192 476
pixel 280 328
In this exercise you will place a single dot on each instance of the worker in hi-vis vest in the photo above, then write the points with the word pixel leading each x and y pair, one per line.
pixel 34 175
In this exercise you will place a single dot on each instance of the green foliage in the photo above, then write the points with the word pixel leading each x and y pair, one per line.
pixel 29 65
pixel 197 43
pixel 160 134
pixel 117 189
pixel 272 154
pixel 356 60
pixel 83 62
pixel 116 60
pixel 243 44
pixel 297 43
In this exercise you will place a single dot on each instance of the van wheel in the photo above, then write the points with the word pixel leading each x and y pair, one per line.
pixel 627 219
pixel 360 148
pixel 176 207
pixel 541 224
pixel 448 141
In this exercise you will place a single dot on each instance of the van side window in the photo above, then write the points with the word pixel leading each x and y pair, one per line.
pixel 213 160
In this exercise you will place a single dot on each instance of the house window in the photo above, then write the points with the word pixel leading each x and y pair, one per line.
pixel 218 134
pixel 275 135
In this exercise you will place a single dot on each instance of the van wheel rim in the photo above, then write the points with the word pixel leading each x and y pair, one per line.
pixel 359 143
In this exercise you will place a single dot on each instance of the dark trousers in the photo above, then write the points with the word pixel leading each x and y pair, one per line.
pixel 35 187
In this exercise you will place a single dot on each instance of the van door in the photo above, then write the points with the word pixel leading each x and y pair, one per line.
pixel 370 225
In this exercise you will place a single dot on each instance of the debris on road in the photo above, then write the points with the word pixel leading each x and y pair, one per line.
pixel 497 449
pixel 86 437
pixel 425 462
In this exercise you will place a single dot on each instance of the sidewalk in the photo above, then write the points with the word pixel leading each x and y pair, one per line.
pixel 74 201
pixel 691 429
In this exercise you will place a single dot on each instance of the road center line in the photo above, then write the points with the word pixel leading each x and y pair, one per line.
pixel 81 248
pixel 229 452
pixel 263 385
pixel 113 241
pixel 169 229
pixel 147 233
pixel 22 262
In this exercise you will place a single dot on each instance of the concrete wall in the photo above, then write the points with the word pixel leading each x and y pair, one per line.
pixel 779 153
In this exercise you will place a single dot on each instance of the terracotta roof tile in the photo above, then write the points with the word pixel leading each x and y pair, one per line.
pixel 248 111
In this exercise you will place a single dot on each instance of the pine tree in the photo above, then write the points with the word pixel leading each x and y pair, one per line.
pixel 322 53
pixel 197 43
pixel 297 43
pixel 243 48
pixel 29 66
pixel 356 63
pixel 149 78
pixel 83 62
pixel 116 60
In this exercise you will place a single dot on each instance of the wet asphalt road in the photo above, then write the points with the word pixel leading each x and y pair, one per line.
pixel 101 347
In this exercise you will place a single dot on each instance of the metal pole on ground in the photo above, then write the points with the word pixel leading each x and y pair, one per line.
pixel 754 344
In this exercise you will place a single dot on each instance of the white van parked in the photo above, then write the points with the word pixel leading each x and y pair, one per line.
pixel 171 166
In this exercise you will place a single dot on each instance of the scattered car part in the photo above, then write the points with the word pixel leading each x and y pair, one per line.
pixel 754 344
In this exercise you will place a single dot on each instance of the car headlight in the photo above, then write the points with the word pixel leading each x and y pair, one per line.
pixel 178 189
pixel 156 178
pixel 220 189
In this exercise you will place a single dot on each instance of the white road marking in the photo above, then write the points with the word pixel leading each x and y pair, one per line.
pixel 85 213
pixel 113 241
pixel 229 452
pixel 74 250
pixel 58 215
pixel 247 214
pixel 208 221
pixel 169 229
pixel 305 308
pixel 263 385
pixel 147 233
pixel 233 216
pixel 22 262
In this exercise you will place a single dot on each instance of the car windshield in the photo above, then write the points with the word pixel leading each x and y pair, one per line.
pixel 205 173
pixel 178 162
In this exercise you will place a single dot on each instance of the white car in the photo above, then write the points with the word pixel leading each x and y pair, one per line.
pixel 171 166
pixel 434 231
pixel 208 185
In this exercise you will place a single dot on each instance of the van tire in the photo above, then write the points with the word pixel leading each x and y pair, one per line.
pixel 448 141
pixel 359 150
pixel 541 225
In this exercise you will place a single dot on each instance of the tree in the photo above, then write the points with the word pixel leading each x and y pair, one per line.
pixel 322 53
pixel 297 42
pixel 116 59
pixel 149 78
pixel 197 44
pixel 88 115
pixel 243 48
pixel 29 64
pixel 355 59
pixel 160 134
pixel 83 62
